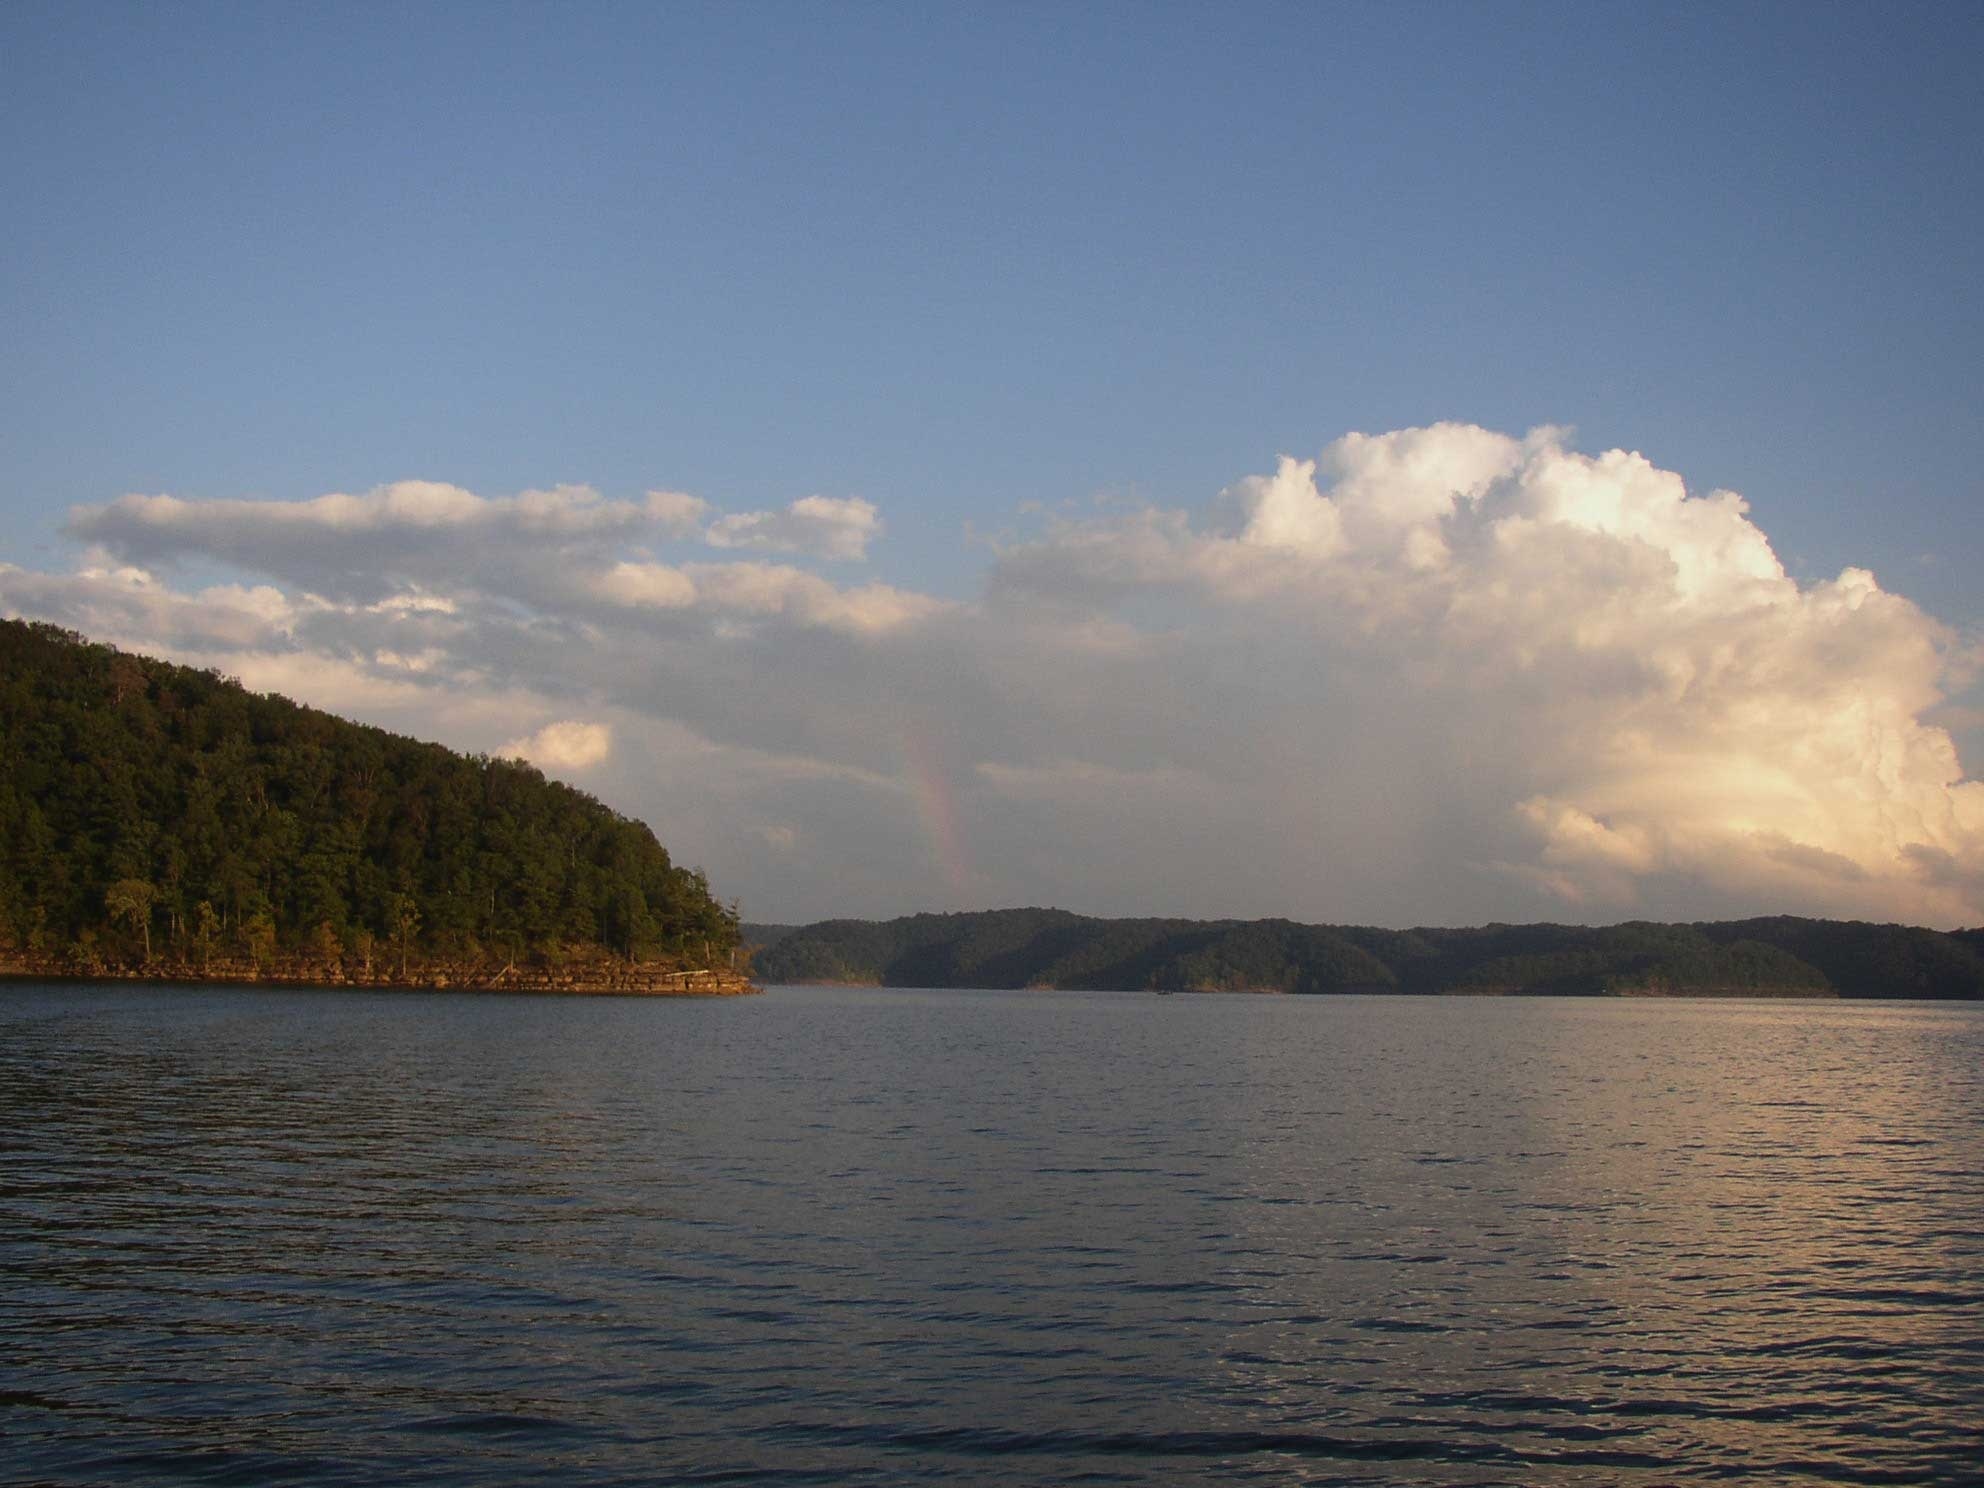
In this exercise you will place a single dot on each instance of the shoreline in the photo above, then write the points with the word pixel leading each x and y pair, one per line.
pixel 589 979
pixel 1720 992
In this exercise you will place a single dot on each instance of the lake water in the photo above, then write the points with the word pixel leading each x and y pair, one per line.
pixel 892 1237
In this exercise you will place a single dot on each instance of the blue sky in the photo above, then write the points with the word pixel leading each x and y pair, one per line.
pixel 956 261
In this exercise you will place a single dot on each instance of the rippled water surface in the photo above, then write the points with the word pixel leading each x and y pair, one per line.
pixel 901 1237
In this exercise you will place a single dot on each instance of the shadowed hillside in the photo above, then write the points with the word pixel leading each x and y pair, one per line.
pixel 1775 957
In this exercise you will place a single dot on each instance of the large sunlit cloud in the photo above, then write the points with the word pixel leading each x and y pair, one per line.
pixel 1434 675
pixel 1653 711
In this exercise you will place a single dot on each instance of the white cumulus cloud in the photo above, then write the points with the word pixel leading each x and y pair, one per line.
pixel 1659 708
pixel 565 745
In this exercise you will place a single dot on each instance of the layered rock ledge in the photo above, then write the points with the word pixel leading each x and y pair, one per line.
pixel 601 977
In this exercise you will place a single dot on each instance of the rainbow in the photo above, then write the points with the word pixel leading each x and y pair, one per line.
pixel 937 806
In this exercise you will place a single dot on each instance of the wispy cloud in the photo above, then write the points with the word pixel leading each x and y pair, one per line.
pixel 823 526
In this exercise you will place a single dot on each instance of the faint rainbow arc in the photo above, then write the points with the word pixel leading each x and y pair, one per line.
pixel 937 807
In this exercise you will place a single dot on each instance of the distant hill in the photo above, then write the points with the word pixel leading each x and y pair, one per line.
pixel 1053 948
pixel 757 937
pixel 155 815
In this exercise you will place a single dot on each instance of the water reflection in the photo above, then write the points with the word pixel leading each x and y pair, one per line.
pixel 987 1238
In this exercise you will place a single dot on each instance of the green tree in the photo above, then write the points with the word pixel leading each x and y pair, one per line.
pixel 325 943
pixel 130 900
pixel 115 769
pixel 405 920
pixel 204 921
pixel 259 933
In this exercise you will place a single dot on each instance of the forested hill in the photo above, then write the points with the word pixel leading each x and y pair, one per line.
pixel 152 814
pixel 1053 948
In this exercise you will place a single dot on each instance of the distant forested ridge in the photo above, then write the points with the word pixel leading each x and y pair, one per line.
pixel 156 815
pixel 1778 957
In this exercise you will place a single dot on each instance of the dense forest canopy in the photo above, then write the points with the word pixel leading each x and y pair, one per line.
pixel 1053 948
pixel 151 810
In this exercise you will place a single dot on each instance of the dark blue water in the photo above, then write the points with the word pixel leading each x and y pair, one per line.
pixel 897 1237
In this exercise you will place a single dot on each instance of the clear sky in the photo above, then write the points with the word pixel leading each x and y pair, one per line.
pixel 941 332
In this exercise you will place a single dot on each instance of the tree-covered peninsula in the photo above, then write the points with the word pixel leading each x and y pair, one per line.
pixel 164 821
pixel 1777 957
